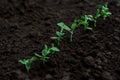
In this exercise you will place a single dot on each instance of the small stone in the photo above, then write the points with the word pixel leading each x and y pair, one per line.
pixel 98 61
pixel 109 53
pixel 48 76
pixel 117 30
pixel 117 19
pixel 66 76
pixel 89 60
pixel 105 60
pixel 99 54
pixel 86 73
pixel 106 76
pixel 117 38
pixel 99 67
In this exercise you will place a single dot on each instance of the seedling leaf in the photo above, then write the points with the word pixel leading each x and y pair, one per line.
pixel 62 25
pixel 28 62
pixel 54 37
pixel 73 26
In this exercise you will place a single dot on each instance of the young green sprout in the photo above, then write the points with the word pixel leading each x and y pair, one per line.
pixel 69 29
pixel 73 27
pixel 28 62
pixel 104 10
pixel 46 52
pixel 96 17
pixel 85 21
pixel 59 35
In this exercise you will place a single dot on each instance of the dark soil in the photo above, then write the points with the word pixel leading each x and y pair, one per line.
pixel 27 25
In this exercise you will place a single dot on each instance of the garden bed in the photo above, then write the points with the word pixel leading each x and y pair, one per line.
pixel 26 26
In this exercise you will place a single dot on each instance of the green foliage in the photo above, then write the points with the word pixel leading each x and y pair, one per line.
pixel 73 27
pixel 97 14
pixel 104 10
pixel 46 52
pixel 69 29
pixel 44 56
pixel 63 26
pixel 96 17
pixel 85 21
pixel 59 34
pixel 28 62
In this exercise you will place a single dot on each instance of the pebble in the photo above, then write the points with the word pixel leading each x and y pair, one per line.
pixel 89 60
pixel 106 76
pixel 48 76
pixel 117 38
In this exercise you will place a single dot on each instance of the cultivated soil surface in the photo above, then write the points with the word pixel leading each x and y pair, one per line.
pixel 27 25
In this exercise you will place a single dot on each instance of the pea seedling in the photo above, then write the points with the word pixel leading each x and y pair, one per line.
pixel 96 17
pixel 104 10
pixel 73 27
pixel 60 34
pixel 85 21
pixel 69 29
pixel 28 62
pixel 46 52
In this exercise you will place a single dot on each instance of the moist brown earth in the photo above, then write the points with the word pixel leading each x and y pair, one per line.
pixel 27 25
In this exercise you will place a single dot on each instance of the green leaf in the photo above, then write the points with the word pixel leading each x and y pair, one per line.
pixel 62 25
pixel 89 28
pixel 27 63
pixel 89 17
pixel 97 14
pixel 80 22
pixel 83 17
pixel 55 49
pixel 44 58
pixel 38 55
pixel 54 37
pixel 45 52
pixel 59 34
pixel 73 26
pixel 22 61
pixel 34 58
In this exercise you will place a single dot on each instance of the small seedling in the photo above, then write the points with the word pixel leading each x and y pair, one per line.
pixel 44 56
pixel 69 29
pixel 96 17
pixel 46 52
pixel 104 10
pixel 60 33
pixel 28 62
pixel 73 27
pixel 85 21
